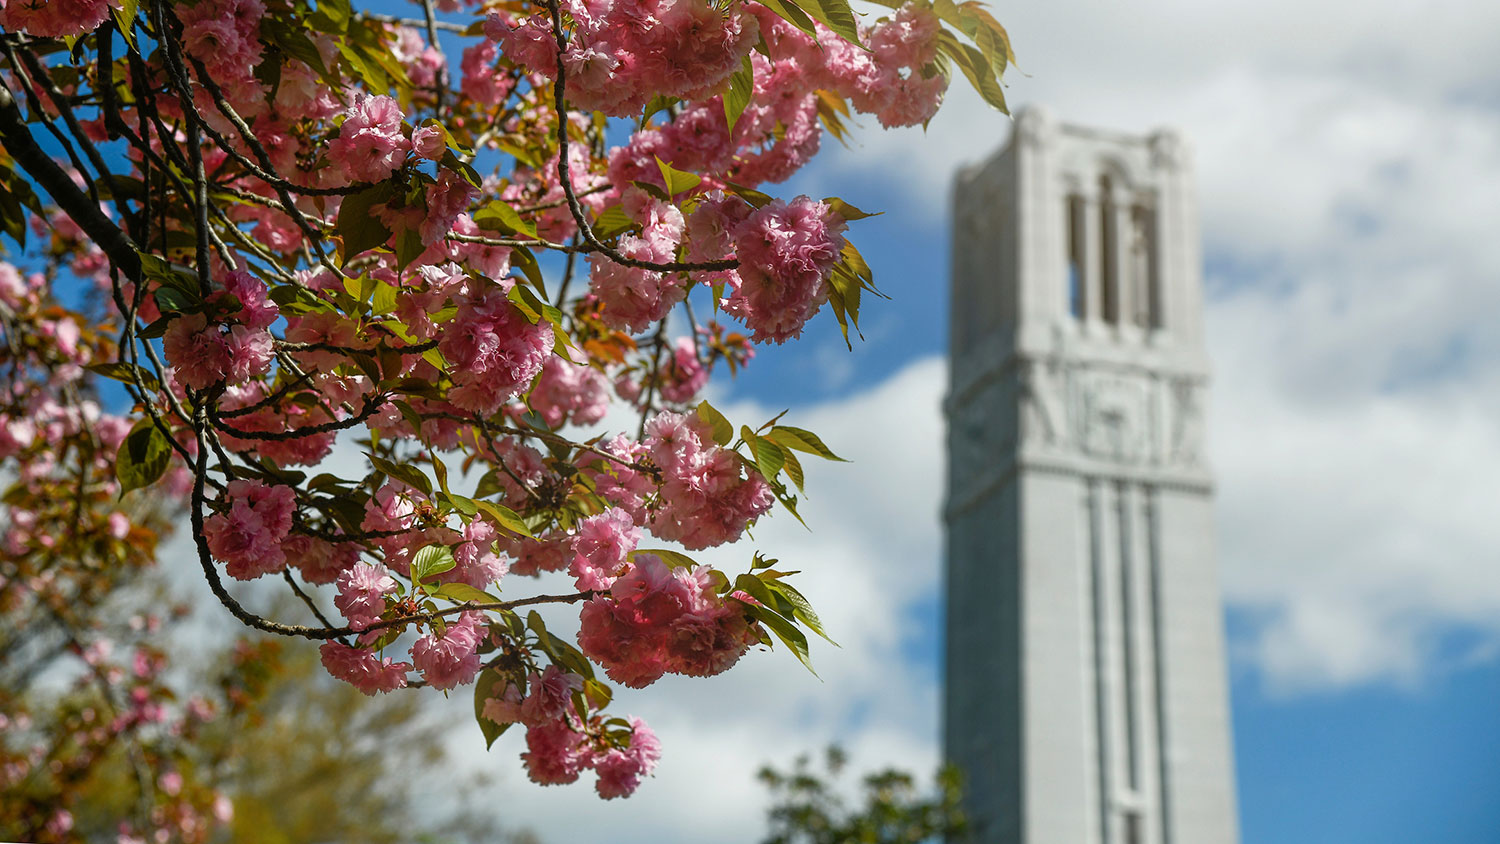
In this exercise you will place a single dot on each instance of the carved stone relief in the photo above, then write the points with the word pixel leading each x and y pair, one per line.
pixel 1043 400
pixel 1186 444
pixel 1115 419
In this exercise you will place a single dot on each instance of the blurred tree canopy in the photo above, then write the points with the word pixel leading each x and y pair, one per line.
pixel 812 808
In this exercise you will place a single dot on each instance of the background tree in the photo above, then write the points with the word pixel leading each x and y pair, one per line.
pixel 809 808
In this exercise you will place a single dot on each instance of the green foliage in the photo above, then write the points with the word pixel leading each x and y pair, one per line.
pixel 143 457
pixel 809 809
pixel 304 766
pixel 737 95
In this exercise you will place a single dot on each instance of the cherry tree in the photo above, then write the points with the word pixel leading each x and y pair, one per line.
pixel 256 234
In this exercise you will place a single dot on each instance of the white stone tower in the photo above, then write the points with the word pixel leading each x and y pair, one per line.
pixel 1086 688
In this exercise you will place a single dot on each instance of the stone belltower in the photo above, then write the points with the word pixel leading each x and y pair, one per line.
pixel 1086 694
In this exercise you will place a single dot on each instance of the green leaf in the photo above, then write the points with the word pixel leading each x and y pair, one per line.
pixel 655 190
pixel 837 16
pixel 561 652
pixel 156 268
pixel 384 299
pixel 750 195
pixel 723 431
pixel 170 299
pixel 741 89
pixel 976 67
pixel 677 181
pixel 461 593
pixel 801 609
pixel 660 103
pixel 756 588
pixel 155 329
pixel 434 559
pixel 533 307
pixel 768 457
pixel 793 465
pixel 611 221
pixel 452 162
pixel 787 632
pixel 405 473
pixel 522 258
pixel 505 517
pixel 364 65
pixel 847 211
pixel 843 297
pixel 673 559
pixel 358 226
pixel 294 42
pixel 803 440
pixel 598 693
pixel 467 506
pixel 143 456
pixel 408 248
pixel 489 484
pixel 499 216
pixel 792 14
pixel 491 683
pixel 334 15
pixel 125 19
pixel 126 372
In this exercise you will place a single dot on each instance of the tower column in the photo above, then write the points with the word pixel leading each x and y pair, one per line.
pixel 1093 254
pixel 1125 294
pixel 1085 695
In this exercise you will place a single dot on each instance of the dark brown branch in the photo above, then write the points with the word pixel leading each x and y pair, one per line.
pixel 17 140
pixel 372 406
pixel 471 606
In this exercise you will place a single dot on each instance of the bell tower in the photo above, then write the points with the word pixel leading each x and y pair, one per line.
pixel 1086 697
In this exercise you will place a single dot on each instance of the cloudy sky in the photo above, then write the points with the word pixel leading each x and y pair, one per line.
pixel 1349 172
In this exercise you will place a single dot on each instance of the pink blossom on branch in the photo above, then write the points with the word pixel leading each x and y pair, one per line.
pixel 247 535
pixel 362 669
pixel 621 770
pixel 657 620
pixel 450 658
pixel 370 145
pixel 493 350
pixel 787 251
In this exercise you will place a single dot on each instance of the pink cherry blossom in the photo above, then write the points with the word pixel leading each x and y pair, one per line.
pixel 362 591
pixel 786 252
pixel 568 391
pixel 362 669
pixel 370 146
pixel 600 548
pixel 621 770
pixel 657 620
pixel 494 351
pixel 428 142
pixel 247 535
pixel 450 658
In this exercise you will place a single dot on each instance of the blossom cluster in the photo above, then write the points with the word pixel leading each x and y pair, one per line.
pixel 657 620
pixel 560 744
pixel 232 350
pixel 369 304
